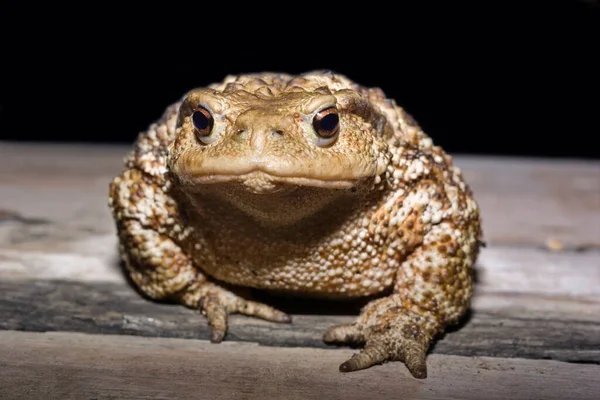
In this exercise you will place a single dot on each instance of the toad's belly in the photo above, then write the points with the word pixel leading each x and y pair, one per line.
pixel 350 265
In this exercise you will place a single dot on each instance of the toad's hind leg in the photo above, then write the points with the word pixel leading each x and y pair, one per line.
pixel 433 289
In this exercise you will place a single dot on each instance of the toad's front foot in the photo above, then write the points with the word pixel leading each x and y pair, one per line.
pixel 388 332
pixel 217 304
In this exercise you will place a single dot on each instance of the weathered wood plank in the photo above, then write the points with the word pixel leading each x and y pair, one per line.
pixel 77 366
pixel 116 309
pixel 499 268
pixel 523 201
pixel 536 201
pixel 514 304
pixel 55 224
pixel 500 272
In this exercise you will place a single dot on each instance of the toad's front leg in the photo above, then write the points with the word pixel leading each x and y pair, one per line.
pixel 432 290
pixel 147 224
pixel 161 270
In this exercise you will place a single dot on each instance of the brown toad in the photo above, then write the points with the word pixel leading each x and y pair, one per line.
pixel 306 184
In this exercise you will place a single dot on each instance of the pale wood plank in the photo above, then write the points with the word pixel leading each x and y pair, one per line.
pixel 523 201
pixel 499 270
pixel 77 366
pixel 533 201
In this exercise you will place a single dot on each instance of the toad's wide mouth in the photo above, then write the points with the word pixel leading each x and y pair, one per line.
pixel 258 178
pixel 255 171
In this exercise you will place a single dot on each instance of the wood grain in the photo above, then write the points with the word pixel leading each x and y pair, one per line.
pixel 30 253
pixel 117 309
pixel 77 366
pixel 537 297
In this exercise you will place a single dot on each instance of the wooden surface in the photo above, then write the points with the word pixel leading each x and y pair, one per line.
pixel 117 309
pixel 75 366
pixel 534 327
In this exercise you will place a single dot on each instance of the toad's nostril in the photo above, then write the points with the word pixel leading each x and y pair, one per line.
pixel 277 133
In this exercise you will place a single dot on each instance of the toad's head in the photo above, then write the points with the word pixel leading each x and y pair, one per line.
pixel 274 143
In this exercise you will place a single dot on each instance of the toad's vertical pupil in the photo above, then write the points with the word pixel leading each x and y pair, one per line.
pixel 329 122
pixel 201 121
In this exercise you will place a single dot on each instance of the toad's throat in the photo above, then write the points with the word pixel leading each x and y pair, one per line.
pixel 269 201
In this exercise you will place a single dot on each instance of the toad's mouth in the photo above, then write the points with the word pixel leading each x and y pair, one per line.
pixel 269 174
pixel 259 181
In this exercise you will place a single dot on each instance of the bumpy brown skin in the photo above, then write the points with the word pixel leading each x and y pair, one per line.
pixel 264 202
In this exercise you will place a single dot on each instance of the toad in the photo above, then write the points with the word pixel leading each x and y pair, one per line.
pixel 312 185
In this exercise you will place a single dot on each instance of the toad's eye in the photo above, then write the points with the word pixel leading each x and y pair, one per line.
pixel 203 121
pixel 327 122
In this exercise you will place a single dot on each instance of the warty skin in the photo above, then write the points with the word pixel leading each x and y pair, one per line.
pixel 263 197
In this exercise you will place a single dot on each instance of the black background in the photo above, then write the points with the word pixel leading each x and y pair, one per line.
pixel 506 78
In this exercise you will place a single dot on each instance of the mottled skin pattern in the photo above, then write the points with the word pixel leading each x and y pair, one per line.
pixel 263 201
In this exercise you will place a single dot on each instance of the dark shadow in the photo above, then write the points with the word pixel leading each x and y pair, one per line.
pixel 13 216
pixel 476 274
pixel 464 320
pixel 304 305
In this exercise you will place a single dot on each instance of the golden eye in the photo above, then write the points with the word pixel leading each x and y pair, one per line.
pixel 203 121
pixel 327 122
